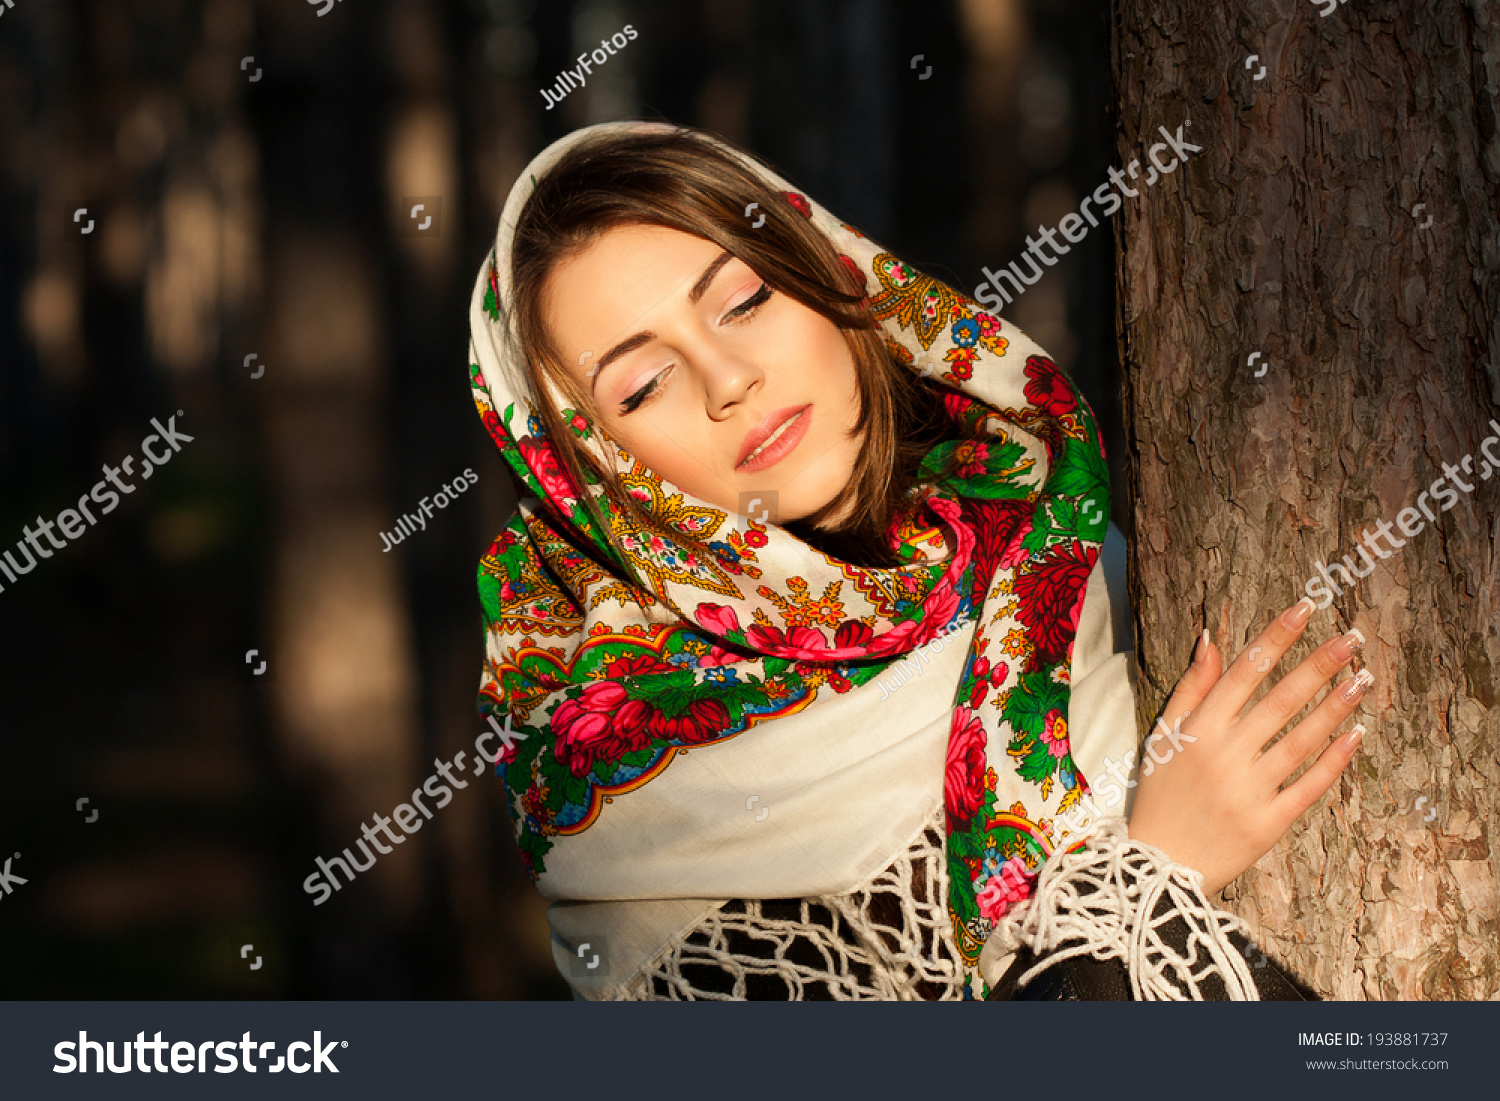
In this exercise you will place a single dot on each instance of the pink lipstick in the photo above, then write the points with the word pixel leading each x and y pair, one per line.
pixel 775 438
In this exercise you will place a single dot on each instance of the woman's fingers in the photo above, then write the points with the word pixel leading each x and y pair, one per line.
pixel 1310 786
pixel 1195 683
pixel 1312 733
pixel 1300 685
pixel 1224 701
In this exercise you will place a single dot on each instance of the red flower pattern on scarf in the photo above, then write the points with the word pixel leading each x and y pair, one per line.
pixel 963 783
pixel 1048 390
pixel 704 721
pixel 718 618
pixel 586 731
pixel 549 472
pixel 1003 891
pixel 1051 598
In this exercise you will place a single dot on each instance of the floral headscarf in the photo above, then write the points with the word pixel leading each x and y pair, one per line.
pixel 620 695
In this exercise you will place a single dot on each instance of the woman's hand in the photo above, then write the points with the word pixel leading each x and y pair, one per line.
pixel 1216 804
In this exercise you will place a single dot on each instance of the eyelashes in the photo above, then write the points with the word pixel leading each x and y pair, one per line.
pixel 634 401
pixel 753 303
pixel 744 310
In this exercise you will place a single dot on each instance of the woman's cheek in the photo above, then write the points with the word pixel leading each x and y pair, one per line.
pixel 836 363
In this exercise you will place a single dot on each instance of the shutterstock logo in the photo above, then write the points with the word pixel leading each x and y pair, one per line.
pixel 188 1057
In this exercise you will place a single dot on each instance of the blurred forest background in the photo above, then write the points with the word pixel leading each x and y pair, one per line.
pixel 245 165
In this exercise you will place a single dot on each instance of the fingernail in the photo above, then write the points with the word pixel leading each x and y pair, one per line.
pixel 1200 652
pixel 1298 613
pixel 1354 689
pixel 1345 648
pixel 1352 739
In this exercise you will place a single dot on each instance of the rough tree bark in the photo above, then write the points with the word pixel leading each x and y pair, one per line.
pixel 1301 231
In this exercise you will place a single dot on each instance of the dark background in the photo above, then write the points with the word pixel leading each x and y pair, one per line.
pixel 236 217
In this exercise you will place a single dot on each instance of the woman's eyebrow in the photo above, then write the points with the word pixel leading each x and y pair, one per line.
pixel 700 288
pixel 631 343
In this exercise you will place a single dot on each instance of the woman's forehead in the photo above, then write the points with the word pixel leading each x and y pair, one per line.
pixel 638 251
pixel 605 292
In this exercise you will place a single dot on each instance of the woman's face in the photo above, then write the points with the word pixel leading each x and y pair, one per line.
pixel 694 363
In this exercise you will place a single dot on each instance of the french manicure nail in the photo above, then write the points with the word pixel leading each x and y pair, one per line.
pixel 1346 647
pixel 1299 613
pixel 1200 652
pixel 1352 739
pixel 1354 689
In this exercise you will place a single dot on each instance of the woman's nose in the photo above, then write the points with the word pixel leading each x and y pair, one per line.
pixel 729 378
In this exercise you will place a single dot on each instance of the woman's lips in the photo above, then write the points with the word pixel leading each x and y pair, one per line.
pixel 781 432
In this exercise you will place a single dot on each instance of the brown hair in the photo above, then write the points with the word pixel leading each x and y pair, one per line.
pixel 682 180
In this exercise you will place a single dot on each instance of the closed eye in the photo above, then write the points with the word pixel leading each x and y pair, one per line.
pixel 740 312
pixel 637 399
pixel 753 303
pixel 744 310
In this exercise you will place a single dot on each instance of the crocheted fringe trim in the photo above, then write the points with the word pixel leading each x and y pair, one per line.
pixel 845 953
pixel 1105 901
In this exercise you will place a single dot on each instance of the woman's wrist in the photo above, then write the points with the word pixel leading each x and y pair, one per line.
pixel 1147 838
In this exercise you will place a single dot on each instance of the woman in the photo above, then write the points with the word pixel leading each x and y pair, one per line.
pixel 791 615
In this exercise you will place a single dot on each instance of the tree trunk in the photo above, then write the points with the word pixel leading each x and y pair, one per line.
pixel 1341 220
